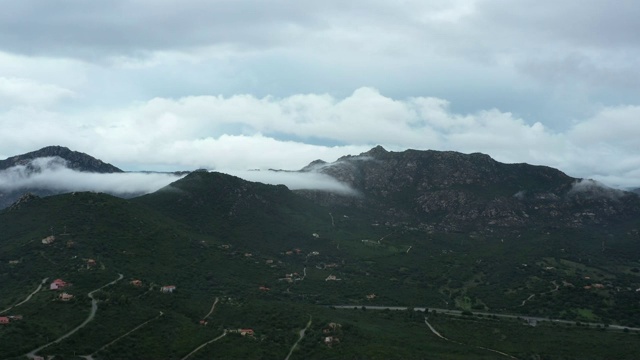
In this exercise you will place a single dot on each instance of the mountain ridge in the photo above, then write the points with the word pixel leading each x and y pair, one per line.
pixel 451 190
pixel 75 160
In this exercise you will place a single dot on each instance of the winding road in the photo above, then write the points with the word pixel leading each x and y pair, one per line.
pixel 28 297
pixel 301 336
pixel 89 357
pixel 212 308
pixel 433 330
pixel 205 344
pixel 92 314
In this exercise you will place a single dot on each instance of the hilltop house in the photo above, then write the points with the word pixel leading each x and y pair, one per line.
pixel 49 240
pixel 330 340
pixel 65 297
pixel 58 284
pixel 136 282
pixel 168 289
pixel 91 263
pixel 4 320
pixel 331 278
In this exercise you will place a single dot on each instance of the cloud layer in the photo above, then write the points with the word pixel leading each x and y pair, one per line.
pixel 52 174
pixel 245 132
pixel 166 85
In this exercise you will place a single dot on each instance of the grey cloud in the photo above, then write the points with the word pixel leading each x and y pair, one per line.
pixel 588 23
pixel 87 29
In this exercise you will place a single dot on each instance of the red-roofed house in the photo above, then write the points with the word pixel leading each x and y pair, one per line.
pixel 246 332
pixel 4 320
pixel 58 284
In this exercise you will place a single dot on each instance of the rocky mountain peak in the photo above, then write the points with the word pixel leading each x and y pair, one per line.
pixel 26 198
pixel 376 151
pixel 314 165
pixel 452 190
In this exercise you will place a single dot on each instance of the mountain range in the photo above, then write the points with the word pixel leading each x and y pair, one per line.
pixel 441 230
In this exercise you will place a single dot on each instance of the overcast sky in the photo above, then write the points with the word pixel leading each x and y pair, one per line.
pixel 245 84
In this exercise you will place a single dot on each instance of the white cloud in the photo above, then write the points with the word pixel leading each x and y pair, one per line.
pixel 19 91
pixel 245 132
pixel 52 174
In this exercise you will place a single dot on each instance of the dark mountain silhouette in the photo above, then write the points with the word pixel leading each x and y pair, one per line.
pixel 74 160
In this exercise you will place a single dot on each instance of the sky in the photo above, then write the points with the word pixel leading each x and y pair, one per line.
pixel 251 84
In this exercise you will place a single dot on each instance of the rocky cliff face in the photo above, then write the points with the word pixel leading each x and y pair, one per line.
pixel 453 192
pixel 74 160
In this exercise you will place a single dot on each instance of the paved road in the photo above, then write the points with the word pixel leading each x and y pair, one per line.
pixel 301 336
pixel 28 297
pixel 92 314
pixel 505 316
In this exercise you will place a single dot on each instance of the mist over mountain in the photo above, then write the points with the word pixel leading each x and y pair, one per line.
pixel 73 160
pixel 55 170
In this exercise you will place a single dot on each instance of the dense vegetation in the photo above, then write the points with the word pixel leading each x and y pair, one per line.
pixel 216 236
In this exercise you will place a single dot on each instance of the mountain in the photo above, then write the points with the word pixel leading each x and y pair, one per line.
pixel 417 232
pixel 74 160
pixel 451 191
pixel 20 167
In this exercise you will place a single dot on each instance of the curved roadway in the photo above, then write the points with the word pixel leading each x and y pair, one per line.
pixel 92 314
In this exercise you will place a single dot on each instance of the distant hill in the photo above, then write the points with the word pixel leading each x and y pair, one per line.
pixel 33 162
pixel 216 203
pixel 74 160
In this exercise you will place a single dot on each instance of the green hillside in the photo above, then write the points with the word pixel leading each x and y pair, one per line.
pixel 269 256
